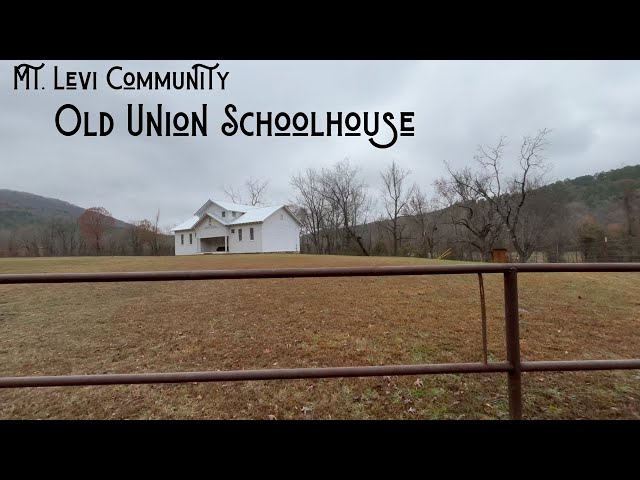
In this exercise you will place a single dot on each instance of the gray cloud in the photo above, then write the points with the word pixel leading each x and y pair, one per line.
pixel 592 107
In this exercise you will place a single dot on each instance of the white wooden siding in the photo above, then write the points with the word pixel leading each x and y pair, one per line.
pixel 281 233
pixel 246 245
pixel 217 211
pixel 186 249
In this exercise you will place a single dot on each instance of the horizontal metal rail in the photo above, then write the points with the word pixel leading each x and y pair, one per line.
pixel 577 365
pixel 513 366
pixel 314 272
pixel 308 373
pixel 245 375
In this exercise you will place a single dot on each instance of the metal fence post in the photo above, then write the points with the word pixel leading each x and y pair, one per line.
pixel 512 324
pixel 483 313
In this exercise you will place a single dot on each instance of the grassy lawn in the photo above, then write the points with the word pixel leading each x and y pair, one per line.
pixel 280 323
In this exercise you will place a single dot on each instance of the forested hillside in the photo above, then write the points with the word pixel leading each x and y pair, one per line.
pixel 594 189
pixel 32 225
pixel 22 209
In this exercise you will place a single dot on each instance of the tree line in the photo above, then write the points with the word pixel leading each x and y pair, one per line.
pixel 495 202
pixel 93 233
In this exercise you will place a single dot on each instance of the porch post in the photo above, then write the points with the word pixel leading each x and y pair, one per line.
pixel 226 248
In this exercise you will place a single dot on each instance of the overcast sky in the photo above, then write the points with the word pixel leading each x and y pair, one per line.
pixel 592 107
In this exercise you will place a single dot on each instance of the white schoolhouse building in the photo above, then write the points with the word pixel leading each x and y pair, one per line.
pixel 230 227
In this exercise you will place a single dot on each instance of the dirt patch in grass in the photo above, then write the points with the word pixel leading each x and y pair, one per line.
pixel 278 323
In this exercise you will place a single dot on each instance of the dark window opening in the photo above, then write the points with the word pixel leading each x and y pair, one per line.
pixel 251 234
pixel 239 234
pixel 224 213
pixel 182 238
pixel 190 239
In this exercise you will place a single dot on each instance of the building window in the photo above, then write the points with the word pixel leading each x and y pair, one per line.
pixel 182 239
pixel 209 221
pixel 281 217
pixel 223 214
pixel 233 230
pixel 251 234
pixel 233 214
pixel 239 234
pixel 191 239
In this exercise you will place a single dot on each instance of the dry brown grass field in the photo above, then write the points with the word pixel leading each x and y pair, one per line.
pixel 64 329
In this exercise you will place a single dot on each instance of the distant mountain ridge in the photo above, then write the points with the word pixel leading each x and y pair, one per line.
pixel 22 209
pixel 600 196
pixel 592 189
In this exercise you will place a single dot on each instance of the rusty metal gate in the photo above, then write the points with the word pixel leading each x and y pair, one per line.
pixel 513 366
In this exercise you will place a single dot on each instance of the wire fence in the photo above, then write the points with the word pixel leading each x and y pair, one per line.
pixel 585 251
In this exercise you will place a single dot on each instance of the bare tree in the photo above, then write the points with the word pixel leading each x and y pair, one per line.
pixel 47 241
pixel 426 217
pixel 332 223
pixel 396 195
pixel 146 232
pixel 510 196
pixel 347 195
pixel 155 235
pixel 94 223
pixel 311 205
pixel 29 241
pixel 466 208
pixel 12 243
pixel 232 194
pixel 136 236
pixel 167 240
pixel 114 245
pixel 66 235
pixel 255 192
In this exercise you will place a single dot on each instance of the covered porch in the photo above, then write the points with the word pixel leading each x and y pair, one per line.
pixel 214 244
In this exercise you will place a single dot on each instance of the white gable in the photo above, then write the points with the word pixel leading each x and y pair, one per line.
pixel 232 207
pixel 219 221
